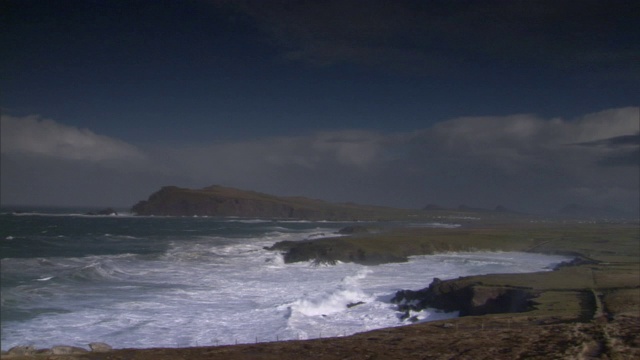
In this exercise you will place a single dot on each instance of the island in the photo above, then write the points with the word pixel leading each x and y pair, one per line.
pixel 225 201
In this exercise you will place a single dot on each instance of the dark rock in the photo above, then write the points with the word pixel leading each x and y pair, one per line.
pixel 469 298
pixel 575 262
pixel 22 350
pixel 100 347
pixel 68 350
pixel 350 305
pixel 329 251
pixel 348 230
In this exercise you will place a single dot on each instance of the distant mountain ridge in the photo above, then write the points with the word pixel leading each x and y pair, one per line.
pixel 225 201
pixel 584 211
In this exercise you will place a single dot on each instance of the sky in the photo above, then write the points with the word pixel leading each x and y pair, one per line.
pixel 530 105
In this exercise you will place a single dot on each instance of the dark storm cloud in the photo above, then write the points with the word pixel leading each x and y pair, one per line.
pixel 428 37
pixel 614 142
pixel 622 158
pixel 620 150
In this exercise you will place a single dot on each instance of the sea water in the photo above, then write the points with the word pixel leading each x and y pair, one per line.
pixel 139 282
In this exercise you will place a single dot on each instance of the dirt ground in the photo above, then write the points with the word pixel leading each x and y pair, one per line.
pixel 615 339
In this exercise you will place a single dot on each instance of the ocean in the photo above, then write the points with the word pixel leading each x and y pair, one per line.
pixel 140 282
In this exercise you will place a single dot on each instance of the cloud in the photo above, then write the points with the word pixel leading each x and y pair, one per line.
pixel 275 157
pixel 523 162
pixel 621 150
pixel 44 162
pixel 617 141
pixel 526 139
pixel 535 159
pixel 32 135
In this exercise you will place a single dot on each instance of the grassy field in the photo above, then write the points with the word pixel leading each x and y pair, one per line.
pixel 605 279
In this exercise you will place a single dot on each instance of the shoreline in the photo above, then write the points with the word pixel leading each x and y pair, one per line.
pixel 541 263
pixel 603 289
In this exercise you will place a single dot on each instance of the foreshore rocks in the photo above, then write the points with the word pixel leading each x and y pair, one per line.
pixel 22 350
pixel 100 347
pixel 466 296
pixel 30 350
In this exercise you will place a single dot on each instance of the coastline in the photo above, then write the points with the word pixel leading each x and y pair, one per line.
pixel 580 298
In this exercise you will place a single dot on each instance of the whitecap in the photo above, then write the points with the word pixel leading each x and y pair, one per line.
pixel 207 289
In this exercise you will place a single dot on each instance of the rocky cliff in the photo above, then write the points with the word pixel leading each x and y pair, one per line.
pixel 469 297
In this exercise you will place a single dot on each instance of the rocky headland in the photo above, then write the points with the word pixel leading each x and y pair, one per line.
pixel 224 201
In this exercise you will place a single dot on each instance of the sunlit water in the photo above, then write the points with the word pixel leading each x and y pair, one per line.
pixel 176 282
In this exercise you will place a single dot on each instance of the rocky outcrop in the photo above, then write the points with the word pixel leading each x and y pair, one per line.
pixel 67 350
pixel 467 297
pixel 22 351
pixel 100 347
pixel 330 251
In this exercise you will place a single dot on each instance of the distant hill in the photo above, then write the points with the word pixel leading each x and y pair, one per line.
pixel 583 211
pixel 465 209
pixel 225 201
pixel 433 207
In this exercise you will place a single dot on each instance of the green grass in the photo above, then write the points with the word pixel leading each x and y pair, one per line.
pixel 609 277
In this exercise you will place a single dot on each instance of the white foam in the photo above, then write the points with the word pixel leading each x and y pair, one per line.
pixel 436 225
pixel 248 221
pixel 45 278
pixel 210 290
pixel 346 295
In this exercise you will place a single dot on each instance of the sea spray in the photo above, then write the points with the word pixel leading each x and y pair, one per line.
pixel 167 282
pixel 348 292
